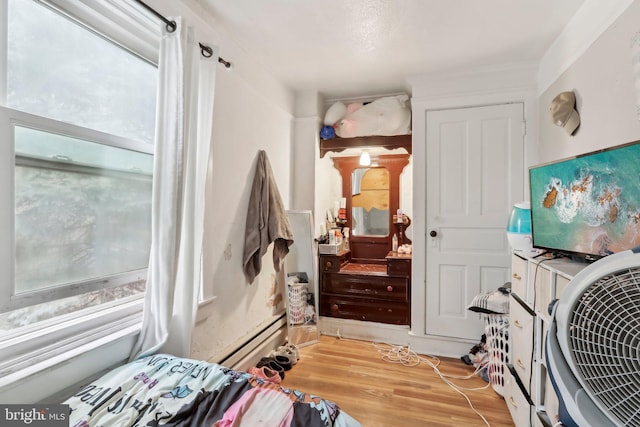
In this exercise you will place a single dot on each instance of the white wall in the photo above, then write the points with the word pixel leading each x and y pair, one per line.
pixel 244 122
pixel 305 149
pixel 252 112
pixel 328 188
pixel 602 79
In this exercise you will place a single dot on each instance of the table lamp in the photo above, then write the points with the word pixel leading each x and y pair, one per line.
pixel 519 227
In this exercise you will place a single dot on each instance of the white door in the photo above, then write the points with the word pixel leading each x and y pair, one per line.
pixel 475 170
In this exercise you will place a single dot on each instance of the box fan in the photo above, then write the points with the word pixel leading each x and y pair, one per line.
pixel 593 344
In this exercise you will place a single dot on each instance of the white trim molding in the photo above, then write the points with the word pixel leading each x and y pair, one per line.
pixel 589 22
pixel 491 86
pixel 366 331
pixel 473 82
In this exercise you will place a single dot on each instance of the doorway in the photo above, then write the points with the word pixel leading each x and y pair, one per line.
pixel 475 169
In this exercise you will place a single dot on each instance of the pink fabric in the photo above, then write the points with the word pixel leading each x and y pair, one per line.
pixel 251 410
pixel 266 373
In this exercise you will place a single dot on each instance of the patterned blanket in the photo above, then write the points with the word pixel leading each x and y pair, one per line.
pixel 163 390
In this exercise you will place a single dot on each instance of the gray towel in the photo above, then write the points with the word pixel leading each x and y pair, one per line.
pixel 266 221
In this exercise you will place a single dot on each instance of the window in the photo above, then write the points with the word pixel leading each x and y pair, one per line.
pixel 59 69
pixel 76 131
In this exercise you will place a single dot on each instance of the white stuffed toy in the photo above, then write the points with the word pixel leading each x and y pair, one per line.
pixel 333 115
pixel 386 116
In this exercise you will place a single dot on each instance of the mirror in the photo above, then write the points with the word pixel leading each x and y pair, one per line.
pixel 373 196
pixel 301 282
pixel 370 202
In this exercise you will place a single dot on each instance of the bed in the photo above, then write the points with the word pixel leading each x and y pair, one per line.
pixel 164 390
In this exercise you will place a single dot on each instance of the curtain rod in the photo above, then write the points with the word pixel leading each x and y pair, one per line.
pixel 171 27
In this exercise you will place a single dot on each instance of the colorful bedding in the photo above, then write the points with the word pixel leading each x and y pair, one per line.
pixel 163 390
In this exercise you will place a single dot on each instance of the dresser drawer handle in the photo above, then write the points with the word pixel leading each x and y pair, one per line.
pixel 513 402
pixel 517 324
pixel 517 276
pixel 389 288
pixel 328 264
pixel 335 307
pixel 520 364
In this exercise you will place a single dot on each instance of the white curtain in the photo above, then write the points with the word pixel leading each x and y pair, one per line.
pixel 182 146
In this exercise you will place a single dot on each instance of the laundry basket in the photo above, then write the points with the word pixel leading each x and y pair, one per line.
pixel 297 299
pixel 497 332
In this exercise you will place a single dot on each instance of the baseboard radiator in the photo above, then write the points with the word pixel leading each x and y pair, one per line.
pixel 248 352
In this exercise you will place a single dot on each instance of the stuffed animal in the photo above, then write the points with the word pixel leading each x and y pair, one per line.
pixel 385 116
pixel 336 112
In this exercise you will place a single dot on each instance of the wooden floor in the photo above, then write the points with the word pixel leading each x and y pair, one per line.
pixel 383 394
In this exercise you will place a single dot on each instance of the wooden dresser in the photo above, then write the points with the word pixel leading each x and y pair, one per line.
pixel 370 292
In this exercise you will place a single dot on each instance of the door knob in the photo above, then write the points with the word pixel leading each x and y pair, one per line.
pixel 433 233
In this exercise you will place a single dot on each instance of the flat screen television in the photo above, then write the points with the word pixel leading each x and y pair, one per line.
pixel 587 206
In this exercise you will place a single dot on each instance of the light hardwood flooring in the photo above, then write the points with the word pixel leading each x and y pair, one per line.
pixel 383 394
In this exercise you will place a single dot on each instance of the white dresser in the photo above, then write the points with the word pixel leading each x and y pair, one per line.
pixel 535 283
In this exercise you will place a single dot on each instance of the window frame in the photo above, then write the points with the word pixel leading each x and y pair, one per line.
pixel 44 344
pixel 9 119
pixel 37 343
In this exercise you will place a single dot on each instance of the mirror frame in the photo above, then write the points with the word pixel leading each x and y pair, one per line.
pixel 372 249
pixel 302 258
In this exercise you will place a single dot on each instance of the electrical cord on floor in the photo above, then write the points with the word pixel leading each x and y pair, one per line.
pixel 407 357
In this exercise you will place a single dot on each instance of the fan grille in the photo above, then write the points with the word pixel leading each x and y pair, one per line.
pixel 604 333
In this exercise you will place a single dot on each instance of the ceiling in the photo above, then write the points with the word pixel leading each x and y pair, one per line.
pixel 354 48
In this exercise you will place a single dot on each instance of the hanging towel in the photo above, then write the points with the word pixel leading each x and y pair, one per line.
pixel 266 221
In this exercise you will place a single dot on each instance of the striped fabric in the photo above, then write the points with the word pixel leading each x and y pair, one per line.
pixel 495 302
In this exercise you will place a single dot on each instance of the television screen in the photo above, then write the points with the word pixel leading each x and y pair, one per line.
pixel 588 204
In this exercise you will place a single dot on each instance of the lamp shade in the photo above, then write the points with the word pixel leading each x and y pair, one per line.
pixel 519 227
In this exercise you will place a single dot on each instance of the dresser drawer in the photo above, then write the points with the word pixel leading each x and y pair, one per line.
pixel 543 292
pixel 371 310
pixel 399 267
pixel 561 283
pixel 519 281
pixel 333 263
pixel 521 329
pixel 388 288
pixel 518 404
